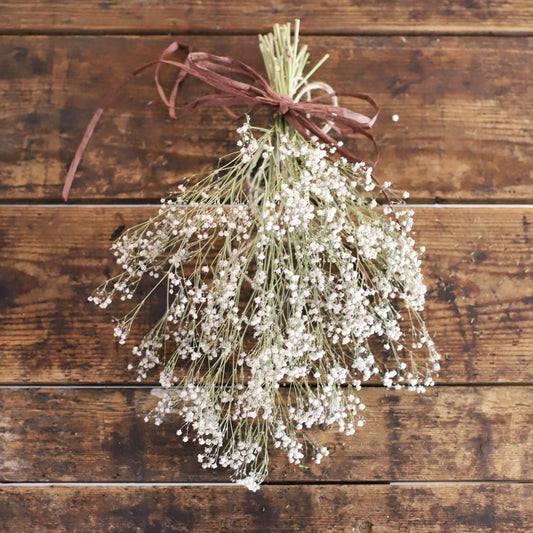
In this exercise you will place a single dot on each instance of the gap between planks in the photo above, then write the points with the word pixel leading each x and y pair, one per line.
pixel 154 385
pixel 143 204
pixel 132 32
pixel 5 484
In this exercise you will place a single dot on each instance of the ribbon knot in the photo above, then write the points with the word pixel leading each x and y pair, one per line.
pixel 284 102
pixel 224 74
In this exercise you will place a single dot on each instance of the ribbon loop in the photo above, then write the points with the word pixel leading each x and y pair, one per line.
pixel 238 84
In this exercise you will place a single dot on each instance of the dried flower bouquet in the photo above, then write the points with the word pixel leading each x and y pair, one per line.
pixel 287 287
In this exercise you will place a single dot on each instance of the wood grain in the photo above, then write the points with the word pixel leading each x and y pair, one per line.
pixel 98 434
pixel 478 267
pixel 343 17
pixel 457 73
pixel 464 132
pixel 485 507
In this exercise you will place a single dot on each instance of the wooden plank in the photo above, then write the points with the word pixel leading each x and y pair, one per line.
pixel 478 268
pixel 467 508
pixel 463 103
pixel 341 17
pixel 98 434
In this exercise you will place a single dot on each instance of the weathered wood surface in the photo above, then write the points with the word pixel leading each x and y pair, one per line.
pixel 478 267
pixel 472 508
pixel 95 434
pixel 340 17
pixel 457 74
pixel 464 104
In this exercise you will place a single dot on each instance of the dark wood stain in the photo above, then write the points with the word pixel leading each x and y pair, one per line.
pixel 117 232
pixel 13 285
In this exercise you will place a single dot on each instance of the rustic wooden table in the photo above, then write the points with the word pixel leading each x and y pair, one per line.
pixel 75 453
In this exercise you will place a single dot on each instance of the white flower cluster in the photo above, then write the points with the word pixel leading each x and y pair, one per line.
pixel 287 287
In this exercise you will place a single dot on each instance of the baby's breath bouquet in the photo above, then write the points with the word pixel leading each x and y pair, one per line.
pixel 290 278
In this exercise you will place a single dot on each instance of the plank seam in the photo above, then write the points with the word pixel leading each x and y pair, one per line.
pixel 143 204
pixel 133 32
pixel 278 484
pixel 145 386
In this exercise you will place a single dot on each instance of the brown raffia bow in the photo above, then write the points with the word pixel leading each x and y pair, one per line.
pixel 221 73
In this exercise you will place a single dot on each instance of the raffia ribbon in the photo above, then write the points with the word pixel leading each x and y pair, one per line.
pixel 224 75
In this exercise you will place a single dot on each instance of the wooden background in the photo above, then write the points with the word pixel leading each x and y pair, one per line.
pixel 75 454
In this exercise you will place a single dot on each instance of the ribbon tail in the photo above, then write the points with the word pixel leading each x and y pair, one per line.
pixel 94 121
pixel 79 152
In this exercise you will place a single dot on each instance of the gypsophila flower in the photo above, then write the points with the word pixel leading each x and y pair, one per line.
pixel 286 285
